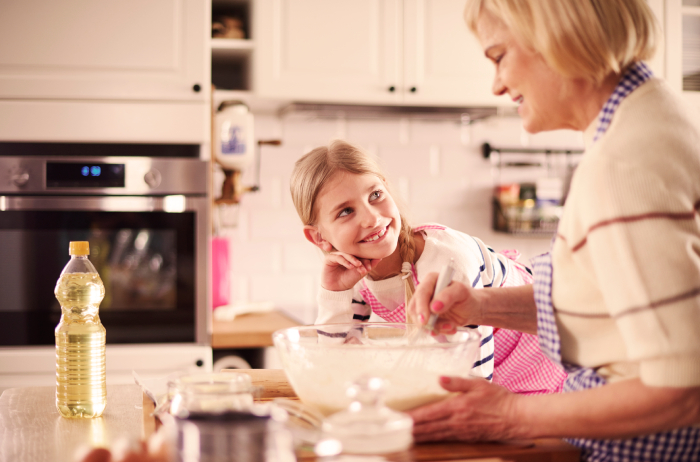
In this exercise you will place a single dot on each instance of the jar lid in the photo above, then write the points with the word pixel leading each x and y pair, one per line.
pixel 368 426
pixel 79 248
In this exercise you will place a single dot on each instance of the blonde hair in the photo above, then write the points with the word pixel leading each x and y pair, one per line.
pixel 587 39
pixel 313 171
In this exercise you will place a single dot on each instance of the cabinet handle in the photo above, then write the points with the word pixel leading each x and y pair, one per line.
pixel 196 87
pixel 414 89
pixel 392 89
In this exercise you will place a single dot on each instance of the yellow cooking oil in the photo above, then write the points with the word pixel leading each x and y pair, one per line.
pixel 81 388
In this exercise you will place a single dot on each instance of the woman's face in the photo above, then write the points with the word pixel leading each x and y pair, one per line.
pixel 544 96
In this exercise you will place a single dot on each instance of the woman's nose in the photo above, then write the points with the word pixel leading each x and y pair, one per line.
pixel 498 88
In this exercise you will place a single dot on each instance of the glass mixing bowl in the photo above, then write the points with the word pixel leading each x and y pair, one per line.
pixel 320 361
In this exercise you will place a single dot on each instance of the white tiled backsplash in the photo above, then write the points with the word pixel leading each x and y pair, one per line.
pixel 436 167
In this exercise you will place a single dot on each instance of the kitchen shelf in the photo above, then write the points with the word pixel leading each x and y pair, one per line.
pixel 231 48
pixel 524 221
pixel 256 104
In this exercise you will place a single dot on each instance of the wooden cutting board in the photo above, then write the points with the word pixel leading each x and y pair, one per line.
pixel 274 382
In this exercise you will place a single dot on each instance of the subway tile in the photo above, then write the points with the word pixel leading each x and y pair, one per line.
pixel 267 126
pixel 372 132
pixel 498 131
pixel 461 162
pixel 283 289
pixel 439 192
pixel 404 161
pixel 558 139
pixel 422 215
pixel 267 224
pixel 444 133
pixel 268 196
pixel 279 160
pixel 240 288
pixel 287 202
pixel 301 256
pixel 260 256
pixel 300 132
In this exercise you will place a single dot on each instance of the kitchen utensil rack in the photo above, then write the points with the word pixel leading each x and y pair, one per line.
pixel 525 221
pixel 525 218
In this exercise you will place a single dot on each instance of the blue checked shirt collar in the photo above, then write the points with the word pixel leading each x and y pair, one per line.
pixel 634 76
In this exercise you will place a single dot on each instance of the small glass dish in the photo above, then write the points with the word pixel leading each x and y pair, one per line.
pixel 213 393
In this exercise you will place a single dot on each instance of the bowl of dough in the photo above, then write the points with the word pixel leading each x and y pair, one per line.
pixel 322 360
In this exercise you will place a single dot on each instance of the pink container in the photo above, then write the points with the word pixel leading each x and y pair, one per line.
pixel 220 282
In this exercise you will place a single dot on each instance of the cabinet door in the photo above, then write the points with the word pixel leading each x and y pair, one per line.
pixel 328 50
pixel 104 49
pixel 443 59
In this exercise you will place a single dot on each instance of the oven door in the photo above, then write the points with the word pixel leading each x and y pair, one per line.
pixel 149 251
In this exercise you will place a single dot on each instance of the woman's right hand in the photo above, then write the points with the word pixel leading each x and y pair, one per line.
pixel 341 271
pixel 456 305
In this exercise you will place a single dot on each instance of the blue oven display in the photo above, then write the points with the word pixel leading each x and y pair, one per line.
pixel 84 175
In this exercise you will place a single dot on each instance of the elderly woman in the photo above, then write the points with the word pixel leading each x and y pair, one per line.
pixel 617 300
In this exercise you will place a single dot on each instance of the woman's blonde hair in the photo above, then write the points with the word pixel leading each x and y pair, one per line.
pixel 313 171
pixel 578 38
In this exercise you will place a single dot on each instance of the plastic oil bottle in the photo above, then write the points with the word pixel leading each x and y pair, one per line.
pixel 81 388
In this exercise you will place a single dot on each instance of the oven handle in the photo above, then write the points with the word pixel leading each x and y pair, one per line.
pixel 174 203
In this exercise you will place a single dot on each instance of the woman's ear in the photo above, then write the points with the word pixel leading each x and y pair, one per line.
pixel 313 235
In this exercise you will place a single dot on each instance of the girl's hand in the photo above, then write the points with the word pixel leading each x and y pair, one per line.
pixel 341 271
pixel 457 305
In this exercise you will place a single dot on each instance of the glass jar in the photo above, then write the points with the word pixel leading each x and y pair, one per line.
pixel 218 421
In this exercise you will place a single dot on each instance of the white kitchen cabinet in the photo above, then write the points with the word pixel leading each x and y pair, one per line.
pixel 682 47
pixel 443 60
pixel 104 50
pixel 658 62
pixel 411 52
pixel 321 50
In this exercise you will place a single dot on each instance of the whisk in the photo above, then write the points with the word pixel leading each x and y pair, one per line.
pixel 419 335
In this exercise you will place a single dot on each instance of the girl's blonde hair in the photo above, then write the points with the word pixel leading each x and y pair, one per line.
pixel 313 171
pixel 587 39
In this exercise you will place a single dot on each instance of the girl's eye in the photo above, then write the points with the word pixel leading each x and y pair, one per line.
pixel 346 211
pixel 375 195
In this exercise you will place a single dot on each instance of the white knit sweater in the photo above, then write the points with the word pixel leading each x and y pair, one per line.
pixel 626 261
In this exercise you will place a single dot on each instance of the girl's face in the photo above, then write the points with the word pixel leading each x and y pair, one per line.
pixel 544 96
pixel 356 215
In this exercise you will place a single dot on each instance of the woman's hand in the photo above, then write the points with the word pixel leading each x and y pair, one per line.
pixel 457 305
pixel 341 271
pixel 480 412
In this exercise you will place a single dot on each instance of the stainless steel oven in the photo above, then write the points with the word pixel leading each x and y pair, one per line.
pixel 146 219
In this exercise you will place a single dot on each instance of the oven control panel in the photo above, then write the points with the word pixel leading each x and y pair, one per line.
pixel 103 176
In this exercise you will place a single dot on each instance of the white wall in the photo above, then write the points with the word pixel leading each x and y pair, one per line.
pixel 436 166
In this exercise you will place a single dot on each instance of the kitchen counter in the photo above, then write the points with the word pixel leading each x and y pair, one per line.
pixel 274 385
pixel 252 330
pixel 31 430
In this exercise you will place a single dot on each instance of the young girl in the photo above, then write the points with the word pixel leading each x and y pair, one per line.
pixel 374 260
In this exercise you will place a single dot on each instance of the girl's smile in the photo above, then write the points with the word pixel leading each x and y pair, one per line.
pixel 357 216
pixel 374 237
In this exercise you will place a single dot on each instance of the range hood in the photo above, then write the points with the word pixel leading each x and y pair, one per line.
pixel 351 111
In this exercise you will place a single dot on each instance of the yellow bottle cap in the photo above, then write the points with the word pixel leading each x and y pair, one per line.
pixel 79 248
